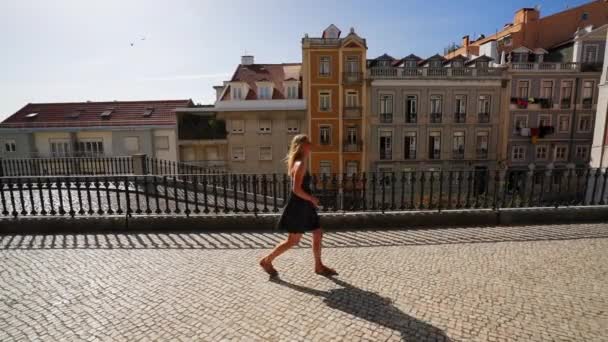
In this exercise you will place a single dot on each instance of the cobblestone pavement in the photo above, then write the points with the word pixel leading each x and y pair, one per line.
pixel 535 283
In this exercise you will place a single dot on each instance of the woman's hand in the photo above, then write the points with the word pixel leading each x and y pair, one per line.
pixel 314 201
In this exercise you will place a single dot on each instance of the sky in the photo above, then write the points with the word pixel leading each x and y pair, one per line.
pixel 79 50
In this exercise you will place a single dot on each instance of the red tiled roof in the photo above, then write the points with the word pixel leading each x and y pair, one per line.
pixel 275 73
pixel 87 114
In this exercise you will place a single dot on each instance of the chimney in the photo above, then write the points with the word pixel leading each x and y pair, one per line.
pixel 465 41
pixel 246 60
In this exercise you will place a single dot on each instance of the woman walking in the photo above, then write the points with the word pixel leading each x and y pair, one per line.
pixel 300 213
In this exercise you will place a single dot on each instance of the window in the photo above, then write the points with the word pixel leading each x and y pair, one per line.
pixel 352 64
pixel 590 53
pixel 324 101
pixel 265 92
pixel 584 124
pixel 385 175
pixel 461 104
pixel 92 147
pixel 237 126
pixel 484 104
pixel 587 90
pixel 237 93
pixel 161 142
pixel 386 108
pixel 386 145
pixel 482 65
pixel 541 152
pixel 409 145
pixel 482 144
pixel 435 145
pixel 147 112
pixel 435 104
pixel 566 93
pixel 324 66
pixel 292 92
pixel 544 120
pixel 563 124
pixel 411 64
pixel 352 99
pixel 60 147
pixel 10 145
pixel 518 153
pixel 325 135
pixel 582 152
pixel 458 143
pixel 561 153
pixel 131 144
pixel 521 121
pixel 352 168
pixel 351 135
pixel 325 168
pixel 546 89
pixel 238 153
pixel 264 126
pixel 293 126
pixel 411 105
pixel 265 152
pixel 523 89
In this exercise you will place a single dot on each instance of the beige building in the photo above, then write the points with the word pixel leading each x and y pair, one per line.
pixel 435 114
pixel 263 109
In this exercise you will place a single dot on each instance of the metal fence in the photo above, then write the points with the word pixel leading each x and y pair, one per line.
pixel 217 194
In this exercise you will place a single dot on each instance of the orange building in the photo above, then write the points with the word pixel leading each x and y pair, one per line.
pixel 530 30
pixel 333 73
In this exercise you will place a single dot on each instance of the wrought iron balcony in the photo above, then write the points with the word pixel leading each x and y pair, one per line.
pixel 458 153
pixel 411 117
pixel 435 117
pixel 460 117
pixel 587 103
pixel 353 146
pixel 350 77
pixel 483 117
pixel 482 153
pixel 409 154
pixel 434 154
pixel 386 117
pixel 565 103
pixel 386 154
pixel 352 112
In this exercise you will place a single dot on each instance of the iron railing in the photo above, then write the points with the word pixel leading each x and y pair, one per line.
pixel 15 167
pixel 219 194
pixel 460 117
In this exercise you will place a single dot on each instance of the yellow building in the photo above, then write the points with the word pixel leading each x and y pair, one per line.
pixel 334 87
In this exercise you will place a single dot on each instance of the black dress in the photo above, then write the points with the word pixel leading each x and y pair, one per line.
pixel 299 215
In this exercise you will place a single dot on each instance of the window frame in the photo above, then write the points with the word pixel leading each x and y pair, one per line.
pixel 580 120
pixel 527 87
pixel 459 106
pixel 296 126
pixel 541 116
pixel 262 129
pixel 414 136
pixel 559 122
pixel 438 97
pixel 557 148
pixel 351 94
pixel 546 152
pixel 260 153
pixel 324 94
pixel 542 88
pixel 232 126
pixel 386 133
pixel 521 149
pixel 156 144
pixel 232 153
pixel 329 134
pixel 125 144
pixel 321 63
pixel 486 99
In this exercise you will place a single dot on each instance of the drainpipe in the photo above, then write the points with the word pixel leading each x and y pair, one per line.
pixel 573 125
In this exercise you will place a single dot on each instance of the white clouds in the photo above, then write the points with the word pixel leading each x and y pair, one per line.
pixel 186 77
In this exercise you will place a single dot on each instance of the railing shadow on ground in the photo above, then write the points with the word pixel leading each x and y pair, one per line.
pixel 268 239
pixel 373 308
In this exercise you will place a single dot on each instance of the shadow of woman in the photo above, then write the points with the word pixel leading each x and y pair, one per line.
pixel 373 308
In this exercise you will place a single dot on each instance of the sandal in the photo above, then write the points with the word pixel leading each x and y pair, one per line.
pixel 326 272
pixel 268 268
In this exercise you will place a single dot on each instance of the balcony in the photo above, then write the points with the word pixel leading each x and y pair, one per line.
pixel 591 67
pixel 411 117
pixel 435 154
pixel 483 117
pixel 565 104
pixel 386 154
pixel 482 153
pixel 386 117
pixel 460 117
pixel 352 146
pixel 352 112
pixel 458 153
pixel 587 103
pixel 546 66
pixel 435 117
pixel 379 73
pixel 352 77
pixel 409 155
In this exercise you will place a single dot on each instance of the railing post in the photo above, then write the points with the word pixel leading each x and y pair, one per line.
pixel 139 164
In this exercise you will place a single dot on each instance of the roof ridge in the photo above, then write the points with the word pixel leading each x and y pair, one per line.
pixel 102 102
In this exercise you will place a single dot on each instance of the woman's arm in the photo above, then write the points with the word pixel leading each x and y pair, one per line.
pixel 299 171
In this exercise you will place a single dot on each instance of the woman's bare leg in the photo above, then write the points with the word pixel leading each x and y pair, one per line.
pixel 317 239
pixel 266 262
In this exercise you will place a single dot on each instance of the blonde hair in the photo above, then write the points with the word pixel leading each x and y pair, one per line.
pixel 296 150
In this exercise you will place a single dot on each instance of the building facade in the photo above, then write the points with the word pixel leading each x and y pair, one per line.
pixel 335 91
pixel 599 146
pixel 263 108
pixel 553 102
pixel 117 128
pixel 434 114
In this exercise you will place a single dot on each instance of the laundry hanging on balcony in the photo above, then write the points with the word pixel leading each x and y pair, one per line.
pixel 524 132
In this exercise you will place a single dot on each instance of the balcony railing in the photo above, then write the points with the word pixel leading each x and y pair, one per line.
pixel 565 104
pixel 410 154
pixel 546 66
pixel 591 67
pixel 435 154
pixel 482 153
pixel 483 117
pixel 352 112
pixel 587 103
pixel 460 117
pixel 424 72
pixel 411 117
pixel 353 146
pixel 458 154
pixel 350 77
pixel 435 117
pixel 386 117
